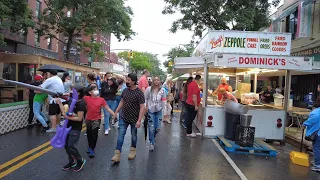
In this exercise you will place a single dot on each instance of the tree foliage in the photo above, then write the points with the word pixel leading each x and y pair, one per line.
pixel 93 50
pixel 201 15
pixel 143 60
pixel 185 51
pixel 14 16
pixel 73 18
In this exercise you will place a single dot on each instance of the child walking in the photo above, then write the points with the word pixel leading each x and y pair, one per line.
pixel 75 122
pixel 93 117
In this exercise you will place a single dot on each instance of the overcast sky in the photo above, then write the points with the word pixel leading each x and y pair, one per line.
pixel 152 28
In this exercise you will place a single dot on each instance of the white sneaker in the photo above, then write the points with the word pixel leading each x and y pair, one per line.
pixel 109 129
pixel 51 130
pixel 151 147
pixel 192 135
pixel 106 132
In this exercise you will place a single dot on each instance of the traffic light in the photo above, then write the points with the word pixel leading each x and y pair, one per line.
pixel 130 54
pixel 170 63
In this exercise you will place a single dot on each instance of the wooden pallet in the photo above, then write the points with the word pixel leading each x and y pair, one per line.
pixel 259 148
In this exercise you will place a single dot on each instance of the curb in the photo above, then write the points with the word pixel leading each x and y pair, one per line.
pixel 296 142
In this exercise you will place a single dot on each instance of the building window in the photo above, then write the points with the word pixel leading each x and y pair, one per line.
pixel 36 39
pixel 38 8
pixel 292 23
pixel 49 43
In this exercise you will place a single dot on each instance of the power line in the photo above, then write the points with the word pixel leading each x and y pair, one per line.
pixel 155 42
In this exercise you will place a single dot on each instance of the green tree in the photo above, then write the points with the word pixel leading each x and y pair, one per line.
pixel 143 60
pixel 138 62
pixel 73 18
pixel 14 16
pixel 201 15
pixel 185 51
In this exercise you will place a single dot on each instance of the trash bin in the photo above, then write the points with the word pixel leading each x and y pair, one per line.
pixel 232 121
pixel 245 119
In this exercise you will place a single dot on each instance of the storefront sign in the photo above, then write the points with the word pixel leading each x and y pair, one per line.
pixel 304 19
pixel 308 52
pixel 25 49
pixel 249 42
pixel 263 61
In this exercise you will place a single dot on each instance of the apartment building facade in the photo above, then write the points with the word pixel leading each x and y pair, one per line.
pixel 301 18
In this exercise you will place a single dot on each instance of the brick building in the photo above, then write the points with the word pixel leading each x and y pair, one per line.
pixel 31 43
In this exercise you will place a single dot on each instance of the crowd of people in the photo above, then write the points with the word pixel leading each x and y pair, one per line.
pixel 125 100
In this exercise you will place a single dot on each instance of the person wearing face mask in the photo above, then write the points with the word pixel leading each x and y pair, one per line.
pixel 223 85
pixel 156 100
pixel 67 83
pixel 93 117
pixel 91 78
pixel 132 111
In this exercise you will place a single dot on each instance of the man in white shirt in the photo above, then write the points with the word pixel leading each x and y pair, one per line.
pixel 53 83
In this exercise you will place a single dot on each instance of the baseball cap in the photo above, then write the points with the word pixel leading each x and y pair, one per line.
pixel 38 77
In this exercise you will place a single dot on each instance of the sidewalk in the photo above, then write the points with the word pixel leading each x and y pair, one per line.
pixel 293 136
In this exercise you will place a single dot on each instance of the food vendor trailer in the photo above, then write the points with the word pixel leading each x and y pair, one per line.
pixel 234 52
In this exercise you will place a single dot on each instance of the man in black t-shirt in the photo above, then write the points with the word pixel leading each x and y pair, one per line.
pixel 133 108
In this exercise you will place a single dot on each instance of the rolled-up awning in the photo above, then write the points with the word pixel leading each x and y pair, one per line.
pixel 289 11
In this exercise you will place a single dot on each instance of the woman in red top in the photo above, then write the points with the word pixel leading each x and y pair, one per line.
pixel 93 117
pixel 223 85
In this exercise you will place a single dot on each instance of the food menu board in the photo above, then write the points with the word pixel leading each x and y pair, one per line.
pixel 249 42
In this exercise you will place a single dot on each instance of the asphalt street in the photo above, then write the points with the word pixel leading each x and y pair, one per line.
pixel 26 154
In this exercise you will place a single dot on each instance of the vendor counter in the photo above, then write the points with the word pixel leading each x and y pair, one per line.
pixel 13 116
pixel 267 120
pixel 291 109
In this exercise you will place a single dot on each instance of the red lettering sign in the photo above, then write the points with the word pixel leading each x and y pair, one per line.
pixel 280 38
pixel 262 61
pixel 216 43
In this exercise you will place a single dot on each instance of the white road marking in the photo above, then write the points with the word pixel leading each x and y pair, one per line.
pixel 234 166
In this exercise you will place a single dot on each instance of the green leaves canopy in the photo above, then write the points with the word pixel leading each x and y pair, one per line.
pixel 143 60
pixel 14 16
pixel 200 15
pixel 185 51
pixel 74 18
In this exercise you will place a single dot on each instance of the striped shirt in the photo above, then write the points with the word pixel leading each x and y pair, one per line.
pixel 155 101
